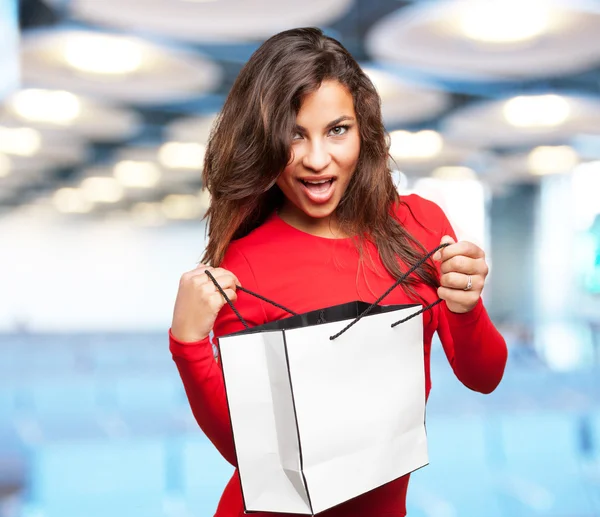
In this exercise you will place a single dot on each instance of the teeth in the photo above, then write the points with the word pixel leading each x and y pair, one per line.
pixel 317 182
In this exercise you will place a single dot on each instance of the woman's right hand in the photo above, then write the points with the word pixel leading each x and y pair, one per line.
pixel 198 302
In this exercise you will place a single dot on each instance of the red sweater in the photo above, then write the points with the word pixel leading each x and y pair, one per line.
pixel 305 272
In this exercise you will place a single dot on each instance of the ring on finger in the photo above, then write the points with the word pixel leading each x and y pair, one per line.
pixel 469 283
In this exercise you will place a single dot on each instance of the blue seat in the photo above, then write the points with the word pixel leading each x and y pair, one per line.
pixel 59 357
pixel 106 358
pixel 130 353
pixel 167 422
pixel 98 477
pixel 148 392
pixel 9 401
pixel 548 439
pixel 9 362
pixel 523 390
pixel 543 464
pixel 453 440
pixel 594 419
pixel 71 427
pixel 204 475
pixel 64 408
pixel 72 394
pixel 592 467
pixel 458 479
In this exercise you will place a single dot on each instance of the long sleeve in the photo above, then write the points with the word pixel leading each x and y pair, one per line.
pixel 200 372
pixel 475 349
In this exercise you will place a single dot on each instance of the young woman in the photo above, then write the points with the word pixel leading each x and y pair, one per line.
pixel 304 212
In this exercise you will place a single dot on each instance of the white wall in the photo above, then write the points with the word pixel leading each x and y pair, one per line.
pixel 65 276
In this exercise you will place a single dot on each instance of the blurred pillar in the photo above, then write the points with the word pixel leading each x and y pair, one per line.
pixel 9 56
pixel 510 293
pixel 561 336
pixel 555 247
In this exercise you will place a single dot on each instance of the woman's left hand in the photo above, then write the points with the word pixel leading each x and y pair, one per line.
pixel 463 275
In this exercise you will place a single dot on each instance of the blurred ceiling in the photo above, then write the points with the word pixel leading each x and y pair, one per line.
pixel 118 97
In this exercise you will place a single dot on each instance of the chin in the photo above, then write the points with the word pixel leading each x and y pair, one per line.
pixel 319 212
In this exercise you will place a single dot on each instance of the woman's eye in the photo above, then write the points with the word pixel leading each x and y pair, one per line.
pixel 339 130
pixel 296 136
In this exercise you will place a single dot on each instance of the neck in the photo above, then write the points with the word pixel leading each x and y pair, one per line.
pixel 327 227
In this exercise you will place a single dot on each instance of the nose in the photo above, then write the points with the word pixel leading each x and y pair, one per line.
pixel 317 157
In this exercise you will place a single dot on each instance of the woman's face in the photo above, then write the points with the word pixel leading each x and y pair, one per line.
pixel 324 154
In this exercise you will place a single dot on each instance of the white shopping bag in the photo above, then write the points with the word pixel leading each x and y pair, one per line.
pixel 318 421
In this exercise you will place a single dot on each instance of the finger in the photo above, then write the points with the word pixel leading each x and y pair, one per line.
pixel 225 280
pixel 198 270
pixel 463 264
pixel 226 283
pixel 458 296
pixel 466 248
pixel 199 276
pixel 225 273
pixel 218 299
pixel 446 239
pixel 459 281
pixel 222 276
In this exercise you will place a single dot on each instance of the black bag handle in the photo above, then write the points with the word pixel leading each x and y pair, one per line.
pixel 353 322
pixel 396 284
pixel 260 297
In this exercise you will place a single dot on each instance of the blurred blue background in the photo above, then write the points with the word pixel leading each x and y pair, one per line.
pixel 493 110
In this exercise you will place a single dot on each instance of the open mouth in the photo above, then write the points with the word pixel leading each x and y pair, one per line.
pixel 318 191
pixel 318 185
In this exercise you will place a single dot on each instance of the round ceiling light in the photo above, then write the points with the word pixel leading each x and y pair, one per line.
pixel 191 129
pixel 200 21
pixel 454 173
pixel 102 54
pixel 109 66
pixel 71 201
pixel 405 102
pixel 21 141
pixel 37 105
pixel 483 40
pixel 102 189
pixel 137 174
pixel 552 160
pixel 537 111
pixel 182 155
pixel 421 145
pixel 182 206
pixel 529 120
pixel 65 112
pixel 5 165
pixel 147 213
pixel 507 21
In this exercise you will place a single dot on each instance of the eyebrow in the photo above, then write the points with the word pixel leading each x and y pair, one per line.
pixel 333 123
